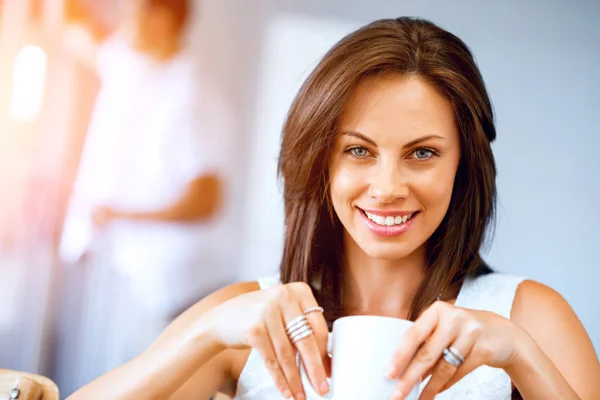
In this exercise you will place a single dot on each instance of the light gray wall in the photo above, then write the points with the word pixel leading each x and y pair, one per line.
pixel 541 63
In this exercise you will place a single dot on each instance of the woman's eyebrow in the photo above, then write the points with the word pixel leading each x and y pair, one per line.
pixel 422 139
pixel 409 144
pixel 361 136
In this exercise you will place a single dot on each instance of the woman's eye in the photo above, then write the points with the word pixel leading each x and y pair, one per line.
pixel 358 151
pixel 423 154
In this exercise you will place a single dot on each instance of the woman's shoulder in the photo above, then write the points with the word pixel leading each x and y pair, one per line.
pixel 546 316
pixel 534 299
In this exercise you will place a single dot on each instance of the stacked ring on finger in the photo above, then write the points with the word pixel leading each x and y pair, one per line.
pixel 453 356
pixel 313 309
pixel 298 329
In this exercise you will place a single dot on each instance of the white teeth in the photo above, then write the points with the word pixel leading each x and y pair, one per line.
pixel 388 221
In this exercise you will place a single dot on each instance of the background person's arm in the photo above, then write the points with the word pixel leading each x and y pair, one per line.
pixel 201 199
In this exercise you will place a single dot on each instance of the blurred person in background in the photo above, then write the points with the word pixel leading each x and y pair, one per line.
pixel 150 197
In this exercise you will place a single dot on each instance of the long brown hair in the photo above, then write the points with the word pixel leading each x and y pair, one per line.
pixel 313 246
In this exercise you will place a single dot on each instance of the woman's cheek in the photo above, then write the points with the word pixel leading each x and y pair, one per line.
pixel 435 184
pixel 347 178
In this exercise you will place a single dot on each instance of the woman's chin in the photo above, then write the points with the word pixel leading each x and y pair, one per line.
pixel 387 251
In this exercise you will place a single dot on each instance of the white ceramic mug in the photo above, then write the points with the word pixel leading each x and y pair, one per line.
pixel 361 348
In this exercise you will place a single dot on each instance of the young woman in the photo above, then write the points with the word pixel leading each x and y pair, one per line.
pixel 389 187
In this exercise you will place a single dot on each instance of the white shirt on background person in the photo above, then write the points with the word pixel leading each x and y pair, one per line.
pixel 154 129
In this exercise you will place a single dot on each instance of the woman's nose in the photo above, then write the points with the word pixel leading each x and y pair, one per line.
pixel 388 184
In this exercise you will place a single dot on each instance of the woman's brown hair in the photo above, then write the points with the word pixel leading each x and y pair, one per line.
pixel 313 247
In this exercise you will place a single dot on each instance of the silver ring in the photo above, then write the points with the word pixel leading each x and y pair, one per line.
pixel 302 336
pixel 451 358
pixel 313 309
pixel 292 327
pixel 295 321
pixel 456 354
pixel 300 331
pixel 298 328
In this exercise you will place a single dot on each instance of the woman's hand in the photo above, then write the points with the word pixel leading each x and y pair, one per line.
pixel 258 320
pixel 480 337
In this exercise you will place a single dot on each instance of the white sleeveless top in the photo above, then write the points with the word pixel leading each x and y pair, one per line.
pixel 493 292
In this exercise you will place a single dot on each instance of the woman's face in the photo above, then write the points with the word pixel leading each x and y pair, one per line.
pixel 393 165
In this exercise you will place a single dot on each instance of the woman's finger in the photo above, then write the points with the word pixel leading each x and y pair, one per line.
pixel 285 352
pixel 445 371
pixel 316 319
pixel 450 321
pixel 305 343
pixel 472 361
pixel 412 339
pixel 259 339
pixel 427 357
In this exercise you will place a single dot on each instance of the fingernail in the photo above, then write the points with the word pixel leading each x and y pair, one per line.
pixel 392 372
pixel 287 394
pixel 324 387
pixel 299 396
pixel 397 395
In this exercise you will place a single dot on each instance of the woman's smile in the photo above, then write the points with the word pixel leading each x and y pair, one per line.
pixel 388 223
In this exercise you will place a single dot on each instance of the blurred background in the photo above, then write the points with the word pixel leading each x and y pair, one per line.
pixel 97 121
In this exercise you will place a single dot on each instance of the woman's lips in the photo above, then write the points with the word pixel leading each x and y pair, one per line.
pixel 382 224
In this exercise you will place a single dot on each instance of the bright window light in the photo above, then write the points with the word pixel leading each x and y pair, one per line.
pixel 29 77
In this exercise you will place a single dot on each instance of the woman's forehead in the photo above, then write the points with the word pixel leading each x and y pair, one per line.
pixel 401 105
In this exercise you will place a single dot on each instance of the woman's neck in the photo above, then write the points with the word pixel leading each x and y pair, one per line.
pixel 380 287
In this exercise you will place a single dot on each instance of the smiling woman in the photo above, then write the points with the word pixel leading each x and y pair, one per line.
pixel 389 188
pixel 395 168
pixel 419 124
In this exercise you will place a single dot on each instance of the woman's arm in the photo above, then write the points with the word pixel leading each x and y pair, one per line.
pixel 186 362
pixel 543 348
pixel 556 357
